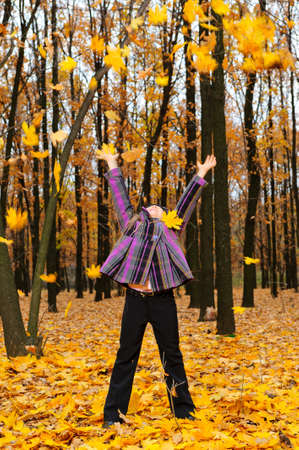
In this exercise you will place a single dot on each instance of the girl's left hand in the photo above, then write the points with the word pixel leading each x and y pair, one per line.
pixel 209 164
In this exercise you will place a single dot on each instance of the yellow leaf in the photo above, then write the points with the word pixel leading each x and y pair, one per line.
pixel 50 278
pixel 114 59
pixel 220 7
pixel 57 137
pixel 56 87
pixel 134 403
pixel 67 308
pixel 93 272
pixel 238 309
pixel 5 241
pixel 190 8
pixel 40 155
pixel 249 260
pixel 271 60
pixel 1 143
pixel 112 115
pixel 135 24
pixel 106 149
pixel 42 51
pixel 31 138
pixel 97 44
pixel 57 171
pixel 249 65
pixel 16 219
pixel 204 63
pixel 132 155
pixel 93 84
pixel 37 118
pixel 172 220
pixel 68 65
pixel 157 16
pixel 162 81
pixel 21 293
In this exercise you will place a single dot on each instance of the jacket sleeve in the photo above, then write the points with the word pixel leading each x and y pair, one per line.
pixel 124 209
pixel 189 198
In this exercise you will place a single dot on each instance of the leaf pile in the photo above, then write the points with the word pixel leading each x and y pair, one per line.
pixel 245 388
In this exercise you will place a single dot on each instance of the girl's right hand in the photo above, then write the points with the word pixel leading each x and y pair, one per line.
pixel 110 159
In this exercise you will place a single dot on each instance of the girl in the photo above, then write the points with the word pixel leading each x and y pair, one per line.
pixel 148 260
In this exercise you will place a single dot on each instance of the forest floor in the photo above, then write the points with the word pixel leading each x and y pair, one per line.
pixel 245 387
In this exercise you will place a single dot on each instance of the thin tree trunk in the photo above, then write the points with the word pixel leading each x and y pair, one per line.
pixel 268 232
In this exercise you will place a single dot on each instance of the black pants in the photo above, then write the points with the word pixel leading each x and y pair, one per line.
pixel 160 310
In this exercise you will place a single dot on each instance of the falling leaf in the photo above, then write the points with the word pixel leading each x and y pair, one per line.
pixel 142 74
pixel 132 155
pixel 112 115
pixel 93 84
pixel 38 117
pixel 50 278
pixel 97 44
pixel 16 219
pixel 172 220
pixel 68 65
pixel 158 15
pixel 42 51
pixel 58 136
pixel 249 260
pixel 31 138
pixel 162 81
pixel 135 24
pixel 93 272
pixel 21 293
pixel 5 241
pixel 67 309
pixel 1 143
pixel 56 87
pixel 114 59
pixel 57 171
pixel 40 155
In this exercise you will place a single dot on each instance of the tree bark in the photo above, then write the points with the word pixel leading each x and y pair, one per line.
pixel 225 316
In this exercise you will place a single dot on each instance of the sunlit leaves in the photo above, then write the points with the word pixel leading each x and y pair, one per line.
pixel 31 138
pixel 68 65
pixel 203 61
pixel 172 220
pixel 220 7
pixel 158 15
pixel 114 58
pixel 97 44
pixel 132 155
pixel 50 278
pixel 193 9
pixel 112 115
pixel 5 241
pixel 93 271
pixel 16 219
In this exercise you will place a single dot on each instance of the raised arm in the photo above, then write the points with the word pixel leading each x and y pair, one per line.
pixel 120 196
pixel 191 194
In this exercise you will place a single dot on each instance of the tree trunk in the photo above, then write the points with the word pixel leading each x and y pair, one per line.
pixel 225 316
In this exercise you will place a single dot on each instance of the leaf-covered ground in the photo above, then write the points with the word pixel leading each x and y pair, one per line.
pixel 245 388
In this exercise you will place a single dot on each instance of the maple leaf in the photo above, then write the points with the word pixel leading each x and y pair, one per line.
pixel 93 272
pixel 97 44
pixel 57 137
pixel 162 80
pixel 50 278
pixel 5 241
pixel 57 171
pixel 112 115
pixel 114 59
pixel 16 219
pixel 220 7
pixel 132 155
pixel 31 138
pixel 238 309
pixel 106 148
pixel 172 220
pixel 249 260
pixel 68 65
pixel 158 15
pixel 67 309
pixel 40 155
pixel 93 84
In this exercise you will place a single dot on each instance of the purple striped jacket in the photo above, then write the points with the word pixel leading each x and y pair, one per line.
pixel 149 249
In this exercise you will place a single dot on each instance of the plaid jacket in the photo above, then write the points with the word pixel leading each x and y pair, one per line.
pixel 149 249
